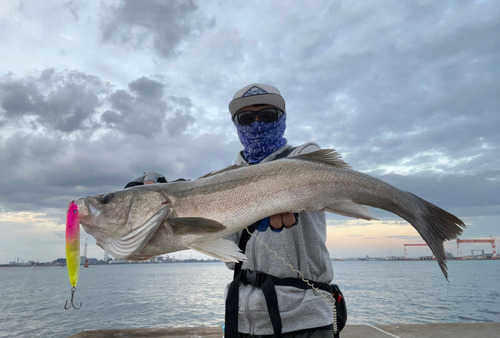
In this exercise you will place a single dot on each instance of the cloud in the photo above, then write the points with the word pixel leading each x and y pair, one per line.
pixel 178 123
pixel 464 192
pixel 144 111
pixel 409 82
pixel 63 101
pixel 147 88
pixel 73 7
pixel 165 25
pixel 71 101
pixel 60 142
pixel 134 115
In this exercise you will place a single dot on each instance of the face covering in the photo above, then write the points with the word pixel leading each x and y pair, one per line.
pixel 261 139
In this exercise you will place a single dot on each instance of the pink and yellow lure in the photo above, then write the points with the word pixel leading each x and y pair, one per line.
pixel 73 249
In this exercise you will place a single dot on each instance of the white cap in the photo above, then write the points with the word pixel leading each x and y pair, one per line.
pixel 256 93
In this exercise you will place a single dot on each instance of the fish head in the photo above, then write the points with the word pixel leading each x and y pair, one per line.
pixel 122 222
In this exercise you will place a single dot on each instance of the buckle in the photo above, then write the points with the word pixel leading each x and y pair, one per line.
pixel 254 278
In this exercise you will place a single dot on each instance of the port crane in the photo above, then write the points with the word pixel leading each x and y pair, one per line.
pixel 490 240
pixel 415 244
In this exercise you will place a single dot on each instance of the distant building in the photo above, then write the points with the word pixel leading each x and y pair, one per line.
pixel 60 261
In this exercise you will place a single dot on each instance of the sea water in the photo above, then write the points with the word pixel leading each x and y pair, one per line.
pixel 191 294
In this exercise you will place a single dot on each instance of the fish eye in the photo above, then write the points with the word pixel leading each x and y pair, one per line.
pixel 75 212
pixel 106 198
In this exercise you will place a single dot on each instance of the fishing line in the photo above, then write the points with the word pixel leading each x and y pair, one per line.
pixel 18 291
pixel 307 281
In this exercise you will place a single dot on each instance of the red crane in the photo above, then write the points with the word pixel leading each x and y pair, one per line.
pixel 418 244
pixel 491 240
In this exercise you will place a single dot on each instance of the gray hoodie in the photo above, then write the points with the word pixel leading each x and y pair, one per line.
pixel 303 246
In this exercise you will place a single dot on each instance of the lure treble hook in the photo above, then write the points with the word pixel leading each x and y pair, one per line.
pixel 66 306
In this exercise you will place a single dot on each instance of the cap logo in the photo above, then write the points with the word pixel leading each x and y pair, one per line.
pixel 255 91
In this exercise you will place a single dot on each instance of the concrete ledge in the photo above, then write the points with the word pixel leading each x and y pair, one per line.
pixel 452 330
pixel 194 332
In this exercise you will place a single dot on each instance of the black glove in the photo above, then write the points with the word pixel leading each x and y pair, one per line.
pixel 149 176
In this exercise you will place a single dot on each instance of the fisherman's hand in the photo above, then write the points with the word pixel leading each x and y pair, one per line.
pixel 153 177
pixel 278 221
pixel 147 178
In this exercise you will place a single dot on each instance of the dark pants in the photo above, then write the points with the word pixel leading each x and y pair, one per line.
pixel 299 334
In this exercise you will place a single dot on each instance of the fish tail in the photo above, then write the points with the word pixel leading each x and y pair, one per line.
pixel 436 226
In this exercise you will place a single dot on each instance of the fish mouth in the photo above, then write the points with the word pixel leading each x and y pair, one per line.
pixel 127 245
pixel 87 213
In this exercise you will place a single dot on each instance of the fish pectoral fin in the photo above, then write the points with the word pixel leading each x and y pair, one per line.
pixel 350 209
pixel 194 225
pixel 223 249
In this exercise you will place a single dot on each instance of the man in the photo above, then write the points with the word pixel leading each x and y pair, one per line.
pixel 258 112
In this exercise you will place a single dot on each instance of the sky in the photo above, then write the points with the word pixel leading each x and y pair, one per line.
pixel 93 94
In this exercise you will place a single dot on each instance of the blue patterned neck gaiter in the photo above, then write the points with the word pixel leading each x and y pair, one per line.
pixel 261 139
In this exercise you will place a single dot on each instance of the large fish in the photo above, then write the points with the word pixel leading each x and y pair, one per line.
pixel 146 221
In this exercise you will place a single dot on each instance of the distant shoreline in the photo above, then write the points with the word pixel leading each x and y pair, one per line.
pixel 218 261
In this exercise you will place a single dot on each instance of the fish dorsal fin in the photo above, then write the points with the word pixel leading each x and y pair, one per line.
pixel 328 156
pixel 194 225
pixel 231 167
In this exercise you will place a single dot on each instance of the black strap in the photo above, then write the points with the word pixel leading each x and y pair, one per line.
pixel 257 278
pixel 245 237
pixel 272 305
pixel 284 153
pixel 231 317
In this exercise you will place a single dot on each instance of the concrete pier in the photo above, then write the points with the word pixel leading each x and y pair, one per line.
pixel 452 330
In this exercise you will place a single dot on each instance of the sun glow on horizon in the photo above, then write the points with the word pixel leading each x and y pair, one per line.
pixel 360 238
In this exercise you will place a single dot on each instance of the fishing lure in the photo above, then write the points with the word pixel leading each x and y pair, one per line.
pixel 73 249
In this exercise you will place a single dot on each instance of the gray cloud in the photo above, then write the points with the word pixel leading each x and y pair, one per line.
pixel 73 7
pixel 148 131
pixel 144 111
pixel 178 123
pixel 147 88
pixel 400 91
pixel 40 171
pixel 63 101
pixel 72 101
pixel 166 24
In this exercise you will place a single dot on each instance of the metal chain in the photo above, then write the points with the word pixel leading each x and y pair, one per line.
pixel 307 281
